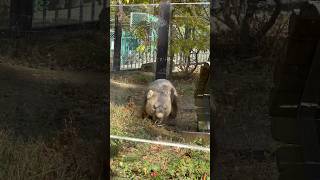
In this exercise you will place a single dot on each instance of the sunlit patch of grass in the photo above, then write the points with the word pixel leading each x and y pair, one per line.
pixel 124 121
pixel 136 77
pixel 146 161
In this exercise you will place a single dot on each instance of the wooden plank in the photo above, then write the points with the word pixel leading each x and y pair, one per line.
pixel 301 172
pixel 284 103
pixel 288 155
pixel 307 113
pixel 285 72
pixel 203 116
pixel 287 84
pixel 300 51
pixel 203 80
pixel 202 101
pixel 285 130
pixel 293 70
pixel 306 28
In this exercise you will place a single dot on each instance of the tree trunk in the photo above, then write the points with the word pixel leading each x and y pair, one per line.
pixel 246 40
pixel 171 53
pixel 162 47
pixel 117 40
pixel 21 12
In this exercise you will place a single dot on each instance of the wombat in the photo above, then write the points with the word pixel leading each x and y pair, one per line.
pixel 160 103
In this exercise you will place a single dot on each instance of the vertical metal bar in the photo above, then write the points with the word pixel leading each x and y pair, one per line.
pixel 81 11
pixel 56 15
pixel 93 6
pixel 117 39
pixel 44 11
pixel 69 9
pixel 163 40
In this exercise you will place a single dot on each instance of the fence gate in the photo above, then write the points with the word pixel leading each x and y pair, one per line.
pixel 296 96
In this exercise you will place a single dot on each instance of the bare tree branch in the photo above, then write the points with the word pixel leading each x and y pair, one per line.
pixel 227 14
pixel 267 26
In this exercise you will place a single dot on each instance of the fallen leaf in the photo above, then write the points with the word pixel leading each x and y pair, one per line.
pixel 154 173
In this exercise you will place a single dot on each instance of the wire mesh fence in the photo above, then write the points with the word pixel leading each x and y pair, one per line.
pixel 58 12
pixel 55 12
pixel 189 30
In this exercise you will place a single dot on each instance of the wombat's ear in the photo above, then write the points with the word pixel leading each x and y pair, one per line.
pixel 149 94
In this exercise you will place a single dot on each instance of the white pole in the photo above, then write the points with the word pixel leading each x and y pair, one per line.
pixel 132 5
pixel 194 147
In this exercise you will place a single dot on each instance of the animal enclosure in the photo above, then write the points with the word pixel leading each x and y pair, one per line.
pixel 188 34
pixel 51 13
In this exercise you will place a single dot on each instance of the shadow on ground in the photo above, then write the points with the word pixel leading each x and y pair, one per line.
pixel 39 103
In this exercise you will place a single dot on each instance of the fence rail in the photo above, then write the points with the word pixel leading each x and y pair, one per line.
pixel 137 60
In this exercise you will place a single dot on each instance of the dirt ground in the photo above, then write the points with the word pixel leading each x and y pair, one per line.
pixel 53 91
pixel 243 133
pixel 38 103
pixel 135 91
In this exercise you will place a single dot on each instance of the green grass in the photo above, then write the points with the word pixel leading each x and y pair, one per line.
pixel 141 160
pixel 135 77
pixel 130 160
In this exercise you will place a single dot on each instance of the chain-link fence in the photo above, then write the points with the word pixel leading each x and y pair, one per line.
pixel 188 40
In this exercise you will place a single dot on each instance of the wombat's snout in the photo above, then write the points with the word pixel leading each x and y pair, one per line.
pixel 159 115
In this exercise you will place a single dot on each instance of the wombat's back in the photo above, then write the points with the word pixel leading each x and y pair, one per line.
pixel 161 94
pixel 161 85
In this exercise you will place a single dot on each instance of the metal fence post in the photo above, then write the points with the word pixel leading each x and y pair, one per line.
pixel 162 47
pixel 21 14
pixel 117 38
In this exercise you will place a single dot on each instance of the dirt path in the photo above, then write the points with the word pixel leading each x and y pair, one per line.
pixel 123 92
pixel 37 102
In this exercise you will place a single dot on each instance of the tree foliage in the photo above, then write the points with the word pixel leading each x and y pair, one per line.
pixel 189 34
pixel 189 29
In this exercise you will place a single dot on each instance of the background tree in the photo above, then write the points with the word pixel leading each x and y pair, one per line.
pixel 189 31
pixel 189 34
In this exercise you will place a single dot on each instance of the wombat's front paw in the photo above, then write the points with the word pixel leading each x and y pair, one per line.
pixel 158 122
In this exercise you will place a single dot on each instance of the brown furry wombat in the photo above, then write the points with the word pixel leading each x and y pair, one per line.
pixel 160 103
